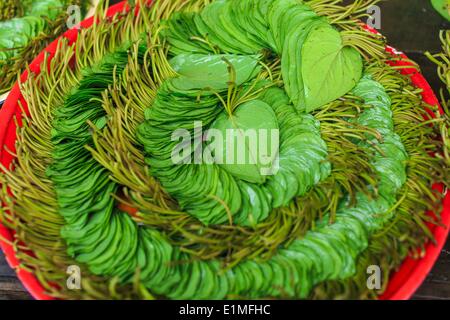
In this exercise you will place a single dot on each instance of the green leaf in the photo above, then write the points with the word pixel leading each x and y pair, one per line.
pixel 249 120
pixel 46 8
pixel 329 69
pixel 198 71
pixel 443 7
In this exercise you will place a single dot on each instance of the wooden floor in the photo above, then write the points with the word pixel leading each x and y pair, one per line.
pixel 410 25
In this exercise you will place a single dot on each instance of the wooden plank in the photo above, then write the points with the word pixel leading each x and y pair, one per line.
pixel 437 284
pixel 10 286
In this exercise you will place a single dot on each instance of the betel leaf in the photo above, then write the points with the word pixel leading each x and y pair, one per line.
pixel 199 71
pixel 253 148
pixel 443 7
pixel 329 69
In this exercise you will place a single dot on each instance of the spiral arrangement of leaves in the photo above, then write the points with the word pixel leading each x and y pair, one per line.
pixel 26 28
pixel 93 183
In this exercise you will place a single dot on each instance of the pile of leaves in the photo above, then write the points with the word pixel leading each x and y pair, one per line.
pixel 26 28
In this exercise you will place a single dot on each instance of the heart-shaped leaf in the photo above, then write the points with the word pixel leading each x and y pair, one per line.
pixel 329 69
pixel 249 143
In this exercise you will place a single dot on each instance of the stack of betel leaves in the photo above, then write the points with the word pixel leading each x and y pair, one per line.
pixel 123 167
pixel 27 27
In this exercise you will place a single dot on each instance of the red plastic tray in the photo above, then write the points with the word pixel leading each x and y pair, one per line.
pixel 402 284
